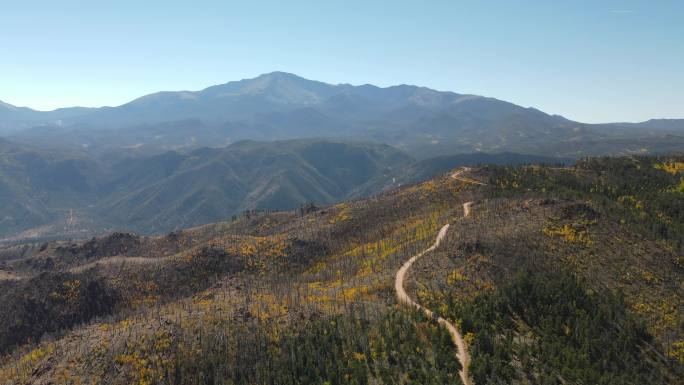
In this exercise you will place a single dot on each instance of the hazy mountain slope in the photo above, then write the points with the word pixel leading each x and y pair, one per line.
pixel 121 143
pixel 663 126
pixel 278 105
pixel 14 118
pixel 38 186
pixel 209 185
pixel 49 193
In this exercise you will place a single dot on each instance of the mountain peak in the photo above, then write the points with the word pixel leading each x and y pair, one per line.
pixel 279 87
pixel 284 79
pixel 276 75
pixel 271 78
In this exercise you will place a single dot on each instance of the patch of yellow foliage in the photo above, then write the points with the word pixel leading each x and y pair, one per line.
pixel 469 338
pixel 146 362
pixel 680 187
pixel 671 167
pixel 266 306
pixel 37 354
pixel 456 276
pixel 343 215
pixel 676 351
pixel 571 234
pixel 631 201
pixel 25 365
pixel 354 292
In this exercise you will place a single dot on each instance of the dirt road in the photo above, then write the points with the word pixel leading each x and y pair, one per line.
pixel 9 276
pixel 462 354
pixel 457 175
pixel 118 260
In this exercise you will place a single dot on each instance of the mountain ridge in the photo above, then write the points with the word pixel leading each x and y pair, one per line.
pixel 275 76
pixel 71 194
pixel 282 106
pixel 170 190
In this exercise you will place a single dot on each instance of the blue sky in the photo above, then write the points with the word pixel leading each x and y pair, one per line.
pixel 592 61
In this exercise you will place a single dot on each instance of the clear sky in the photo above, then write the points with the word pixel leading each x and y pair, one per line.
pixel 593 61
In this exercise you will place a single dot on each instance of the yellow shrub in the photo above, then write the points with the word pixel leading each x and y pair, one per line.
pixel 343 215
pixel 36 354
pixel 676 351
pixel 572 234
pixel 455 277
pixel 469 338
pixel 671 167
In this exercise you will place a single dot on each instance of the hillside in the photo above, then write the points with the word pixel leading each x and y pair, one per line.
pixel 209 185
pixel 57 193
pixel 556 275
pixel 51 193
pixel 282 106
pixel 40 186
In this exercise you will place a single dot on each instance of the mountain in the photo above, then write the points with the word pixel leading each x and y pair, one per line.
pixel 36 185
pixel 69 193
pixel 175 159
pixel 13 119
pixel 281 106
pixel 48 193
pixel 550 275
pixel 172 191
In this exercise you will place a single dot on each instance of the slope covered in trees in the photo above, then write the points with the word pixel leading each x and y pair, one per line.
pixel 52 193
pixel 48 194
pixel 554 277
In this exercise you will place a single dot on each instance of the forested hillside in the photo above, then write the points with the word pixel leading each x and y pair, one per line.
pixel 557 275
pixel 59 193
pixel 48 194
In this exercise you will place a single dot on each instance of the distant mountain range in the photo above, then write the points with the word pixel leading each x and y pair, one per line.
pixel 281 106
pixel 176 159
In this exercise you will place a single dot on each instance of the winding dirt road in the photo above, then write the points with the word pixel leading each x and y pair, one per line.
pixel 457 175
pixel 462 354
